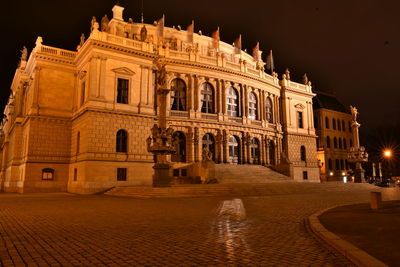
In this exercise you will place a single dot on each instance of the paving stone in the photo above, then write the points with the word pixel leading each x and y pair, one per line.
pixel 99 230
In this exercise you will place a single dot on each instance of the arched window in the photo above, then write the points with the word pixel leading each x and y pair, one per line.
pixel 122 138
pixel 349 126
pixel 255 151
pixel 180 147
pixel 303 153
pixel 269 110
pixel 340 142
pixel 271 152
pixel 234 149
pixel 342 164
pixel 337 164
pixel 339 126
pixel 208 143
pixel 233 101
pixel 328 142
pixel 178 95
pixel 343 126
pixel 326 123
pixel 252 106
pixel 330 164
pixel 344 143
pixel 207 98
pixel 334 142
pixel 333 124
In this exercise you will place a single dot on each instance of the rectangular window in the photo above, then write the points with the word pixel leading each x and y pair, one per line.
pixel 75 174
pixel 78 142
pixel 175 172
pixel 184 172
pixel 47 174
pixel 121 174
pixel 83 88
pixel 305 175
pixel 300 119
pixel 122 91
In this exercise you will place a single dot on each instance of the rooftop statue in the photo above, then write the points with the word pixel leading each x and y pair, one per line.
pixel 24 54
pixel 143 34
pixel 287 73
pixel 93 22
pixel 82 40
pixel 305 79
pixel 354 113
pixel 104 23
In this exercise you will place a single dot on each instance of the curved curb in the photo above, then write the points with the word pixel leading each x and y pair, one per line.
pixel 351 252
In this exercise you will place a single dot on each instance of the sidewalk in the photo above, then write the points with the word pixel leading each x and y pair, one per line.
pixel 376 232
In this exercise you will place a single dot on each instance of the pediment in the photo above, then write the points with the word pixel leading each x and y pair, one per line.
pixel 124 71
pixel 299 106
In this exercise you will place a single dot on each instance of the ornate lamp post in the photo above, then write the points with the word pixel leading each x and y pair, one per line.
pixel 160 142
pixel 357 153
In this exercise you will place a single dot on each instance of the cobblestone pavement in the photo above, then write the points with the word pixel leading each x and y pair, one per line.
pixel 98 230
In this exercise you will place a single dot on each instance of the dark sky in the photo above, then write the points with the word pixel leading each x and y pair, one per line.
pixel 347 47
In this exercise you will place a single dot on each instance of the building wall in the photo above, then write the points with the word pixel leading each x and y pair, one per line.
pixel 67 115
pixel 335 173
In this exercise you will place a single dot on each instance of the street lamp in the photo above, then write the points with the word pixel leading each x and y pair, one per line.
pixel 387 153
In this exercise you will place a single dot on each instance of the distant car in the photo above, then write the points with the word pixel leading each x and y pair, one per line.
pixel 384 183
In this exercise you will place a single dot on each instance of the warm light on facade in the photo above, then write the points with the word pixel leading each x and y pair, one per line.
pixel 331 173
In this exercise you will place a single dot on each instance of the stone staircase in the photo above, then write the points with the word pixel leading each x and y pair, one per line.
pixel 247 174
pixel 234 190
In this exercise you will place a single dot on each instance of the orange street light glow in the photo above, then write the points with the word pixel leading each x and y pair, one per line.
pixel 387 153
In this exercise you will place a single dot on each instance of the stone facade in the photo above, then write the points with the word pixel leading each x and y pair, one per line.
pixel 335 137
pixel 78 121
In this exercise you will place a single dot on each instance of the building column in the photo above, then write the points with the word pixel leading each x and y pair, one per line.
pixel 225 146
pixel 93 77
pixel 245 97
pixel 196 141
pixel 243 148
pixel 191 93
pixel 223 89
pixel 198 82
pixel 262 150
pixel 190 145
pixel 102 78
pixel 261 105
pixel 248 143
pixel 218 147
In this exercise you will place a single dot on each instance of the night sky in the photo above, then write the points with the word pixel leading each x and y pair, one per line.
pixel 350 48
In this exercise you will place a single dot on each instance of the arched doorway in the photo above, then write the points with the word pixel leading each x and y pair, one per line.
pixel 180 147
pixel 208 142
pixel 234 149
pixel 271 151
pixel 254 151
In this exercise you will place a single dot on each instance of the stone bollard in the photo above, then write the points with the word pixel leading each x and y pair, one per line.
pixel 376 200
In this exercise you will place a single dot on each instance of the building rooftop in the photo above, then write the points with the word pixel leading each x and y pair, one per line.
pixel 328 101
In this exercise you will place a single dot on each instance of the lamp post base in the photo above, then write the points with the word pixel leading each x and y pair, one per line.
pixel 161 177
pixel 359 175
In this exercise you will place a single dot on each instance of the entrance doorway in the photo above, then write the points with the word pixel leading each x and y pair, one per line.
pixel 234 150
pixel 254 151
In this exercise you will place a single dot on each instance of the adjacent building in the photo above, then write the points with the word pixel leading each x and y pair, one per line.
pixel 333 124
pixel 78 121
